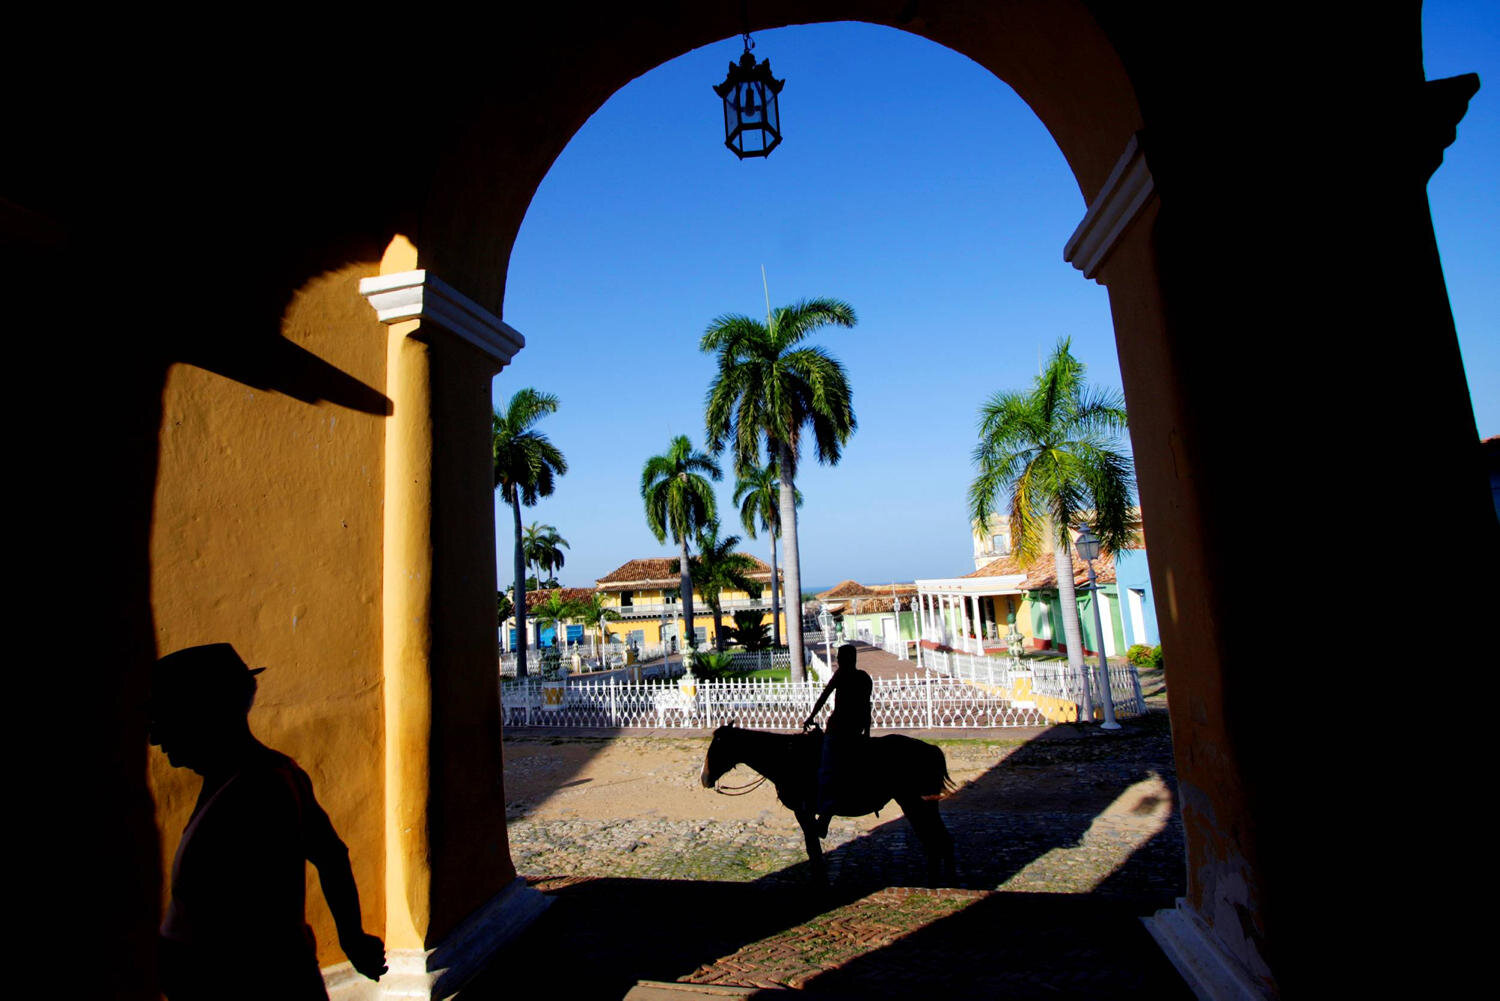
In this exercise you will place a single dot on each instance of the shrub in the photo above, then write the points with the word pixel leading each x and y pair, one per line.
pixel 1140 655
pixel 713 665
pixel 1156 657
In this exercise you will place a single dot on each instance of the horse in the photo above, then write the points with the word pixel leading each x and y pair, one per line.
pixel 910 771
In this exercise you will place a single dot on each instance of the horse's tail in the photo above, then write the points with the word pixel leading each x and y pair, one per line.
pixel 943 782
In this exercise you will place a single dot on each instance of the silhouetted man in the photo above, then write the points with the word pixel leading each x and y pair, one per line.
pixel 848 728
pixel 236 926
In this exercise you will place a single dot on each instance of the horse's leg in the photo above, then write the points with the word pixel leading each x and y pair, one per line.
pixel 809 824
pixel 937 843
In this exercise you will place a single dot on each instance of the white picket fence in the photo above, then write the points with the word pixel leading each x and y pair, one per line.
pixel 1054 678
pixel 976 670
pixel 761 660
pixel 1060 680
pixel 906 703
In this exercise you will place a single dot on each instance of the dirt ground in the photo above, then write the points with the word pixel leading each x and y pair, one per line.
pixel 581 804
pixel 1064 839
pixel 557 778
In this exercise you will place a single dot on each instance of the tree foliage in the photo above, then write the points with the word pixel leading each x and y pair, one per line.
pixel 1057 450
pixel 717 568
pixel 526 467
pixel 679 501
pixel 769 387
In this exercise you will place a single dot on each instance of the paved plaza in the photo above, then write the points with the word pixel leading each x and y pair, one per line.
pixel 1065 838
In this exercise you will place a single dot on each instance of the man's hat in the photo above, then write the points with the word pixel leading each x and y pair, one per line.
pixel 201 678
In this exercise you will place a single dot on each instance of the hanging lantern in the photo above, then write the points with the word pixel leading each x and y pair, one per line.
pixel 752 123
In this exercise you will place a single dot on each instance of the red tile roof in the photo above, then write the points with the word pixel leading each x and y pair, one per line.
pixel 853 589
pixel 661 571
pixel 535 598
pixel 1042 571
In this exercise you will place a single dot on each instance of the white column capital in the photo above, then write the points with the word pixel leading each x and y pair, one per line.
pixel 422 295
pixel 1124 194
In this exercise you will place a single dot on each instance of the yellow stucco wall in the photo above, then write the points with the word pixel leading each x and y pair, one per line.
pixel 267 534
pixel 620 629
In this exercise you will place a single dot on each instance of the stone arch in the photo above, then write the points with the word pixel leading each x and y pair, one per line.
pixel 1244 293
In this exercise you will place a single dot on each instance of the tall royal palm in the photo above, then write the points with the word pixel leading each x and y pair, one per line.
pixel 526 467
pixel 770 387
pixel 758 493
pixel 1057 450
pixel 543 549
pixel 680 501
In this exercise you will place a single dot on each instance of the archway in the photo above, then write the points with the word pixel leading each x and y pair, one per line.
pixel 1250 168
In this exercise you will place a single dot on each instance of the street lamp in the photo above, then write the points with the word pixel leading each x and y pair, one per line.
pixel 825 620
pixel 1088 548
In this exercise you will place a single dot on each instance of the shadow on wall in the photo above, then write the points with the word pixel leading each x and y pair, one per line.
pixel 251 350
pixel 238 876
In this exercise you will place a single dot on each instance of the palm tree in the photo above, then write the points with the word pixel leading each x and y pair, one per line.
pixel 544 549
pixel 526 467
pixel 680 501
pixel 593 612
pixel 1057 450
pixel 718 568
pixel 554 611
pixel 758 493
pixel 766 390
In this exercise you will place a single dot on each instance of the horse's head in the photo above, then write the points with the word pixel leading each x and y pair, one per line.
pixel 720 757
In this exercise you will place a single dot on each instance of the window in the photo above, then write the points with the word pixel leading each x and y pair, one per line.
pixel 997 544
pixel 627 598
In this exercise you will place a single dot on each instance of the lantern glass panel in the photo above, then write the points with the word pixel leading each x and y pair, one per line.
pixel 731 118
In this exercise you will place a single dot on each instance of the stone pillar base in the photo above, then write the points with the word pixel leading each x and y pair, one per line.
pixel 439 973
pixel 1210 972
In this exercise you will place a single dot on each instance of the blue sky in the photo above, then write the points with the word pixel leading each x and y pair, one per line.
pixel 937 205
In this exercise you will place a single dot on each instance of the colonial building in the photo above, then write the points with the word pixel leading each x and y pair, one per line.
pixel 646 595
pixel 973 613
pixel 878 613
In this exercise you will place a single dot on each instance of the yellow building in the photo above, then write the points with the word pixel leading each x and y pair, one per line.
pixel 644 593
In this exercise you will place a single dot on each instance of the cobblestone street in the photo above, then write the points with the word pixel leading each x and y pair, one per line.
pixel 1064 837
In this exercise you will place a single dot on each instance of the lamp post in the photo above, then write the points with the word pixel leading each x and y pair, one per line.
pixel 825 620
pixel 1088 548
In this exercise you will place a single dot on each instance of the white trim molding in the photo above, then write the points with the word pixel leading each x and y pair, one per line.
pixel 439 973
pixel 1125 193
pixel 1211 973
pixel 983 586
pixel 422 295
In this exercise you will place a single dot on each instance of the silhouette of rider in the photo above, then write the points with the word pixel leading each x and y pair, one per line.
pixel 848 728
pixel 235 927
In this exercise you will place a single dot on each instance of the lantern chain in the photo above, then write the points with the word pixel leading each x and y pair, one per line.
pixel 745 24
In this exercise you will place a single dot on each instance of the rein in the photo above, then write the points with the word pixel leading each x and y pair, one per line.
pixel 743 790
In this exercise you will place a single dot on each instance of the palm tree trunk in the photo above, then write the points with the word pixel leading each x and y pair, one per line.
pixel 686 588
pixel 718 627
pixel 775 599
pixel 1062 551
pixel 793 568
pixel 515 506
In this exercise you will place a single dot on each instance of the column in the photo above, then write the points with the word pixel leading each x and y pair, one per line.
pixel 963 621
pixel 978 626
pixel 447 860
